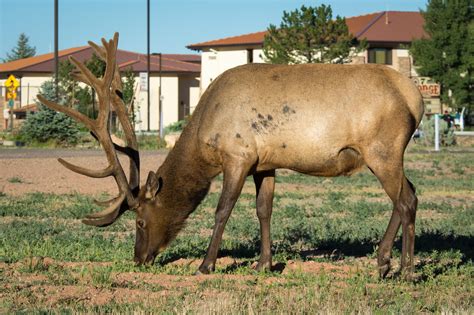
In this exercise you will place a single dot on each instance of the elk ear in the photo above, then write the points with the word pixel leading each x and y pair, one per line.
pixel 153 185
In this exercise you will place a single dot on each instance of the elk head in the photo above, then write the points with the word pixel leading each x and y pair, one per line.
pixel 151 234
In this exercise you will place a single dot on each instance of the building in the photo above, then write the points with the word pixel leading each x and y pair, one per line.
pixel 179 77
pixel 388 35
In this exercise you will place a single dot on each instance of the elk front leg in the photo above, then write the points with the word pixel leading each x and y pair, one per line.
pixel 265 186
pixel 234 179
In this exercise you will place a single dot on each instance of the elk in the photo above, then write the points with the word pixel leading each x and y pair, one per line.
pixel 322 120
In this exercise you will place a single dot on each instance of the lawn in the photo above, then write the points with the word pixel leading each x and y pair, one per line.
pixel 325 233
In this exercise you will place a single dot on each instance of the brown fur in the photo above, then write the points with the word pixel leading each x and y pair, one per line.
pixel 325 120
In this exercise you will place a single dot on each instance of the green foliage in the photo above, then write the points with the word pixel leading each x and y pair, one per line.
pixel 128 86
pixel 128 89
pixel 21 50
pixel 447 55
pixel 150 142
pixel 310 35
pixel 446 135
pixel 66 81
pixel 176 126
pixel 46 124
pixel 96 65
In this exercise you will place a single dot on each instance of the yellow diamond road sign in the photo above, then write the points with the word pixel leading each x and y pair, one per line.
pixel 12 82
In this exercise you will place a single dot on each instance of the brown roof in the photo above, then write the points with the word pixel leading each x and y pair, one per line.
pixel 171 63
pixel 27 62
pixel 402 27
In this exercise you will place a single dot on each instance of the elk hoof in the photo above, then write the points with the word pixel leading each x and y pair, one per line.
pixel 383 270
pixel 263 266
pixel 204 270
pixel 409 276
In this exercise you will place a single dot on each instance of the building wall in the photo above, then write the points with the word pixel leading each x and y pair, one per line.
pixel 188 93
pixel 169 92
pixel 172 92
pixel 216 61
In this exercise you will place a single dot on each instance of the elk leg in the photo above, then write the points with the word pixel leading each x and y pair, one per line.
pixel 386 244
pixel 402 193
pixel 387 165
pixel 234 179
pixel 265 186
pixel 407 207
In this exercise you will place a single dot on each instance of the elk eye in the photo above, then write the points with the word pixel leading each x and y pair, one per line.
pixel 141 223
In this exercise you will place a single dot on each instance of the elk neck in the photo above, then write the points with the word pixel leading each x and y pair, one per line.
pixel 186 177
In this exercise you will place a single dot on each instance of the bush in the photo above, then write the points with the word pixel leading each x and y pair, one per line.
pixel 176 126
pixel 47 125
pixel 446 134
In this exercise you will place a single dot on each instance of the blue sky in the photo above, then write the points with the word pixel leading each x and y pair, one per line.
pixel 174 23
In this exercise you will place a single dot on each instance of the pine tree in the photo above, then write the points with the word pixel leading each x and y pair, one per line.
pixel 22 49
pixel 447 56
pixel 47 124
pixel 310 35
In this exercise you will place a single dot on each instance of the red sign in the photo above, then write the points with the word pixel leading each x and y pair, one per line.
pixel 427 87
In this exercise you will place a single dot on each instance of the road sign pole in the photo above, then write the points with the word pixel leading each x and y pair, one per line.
pixel 10 105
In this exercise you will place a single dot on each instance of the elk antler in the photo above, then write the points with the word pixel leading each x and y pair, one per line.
pixel 109 92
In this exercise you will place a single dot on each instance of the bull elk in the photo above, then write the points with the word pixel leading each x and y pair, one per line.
pixel 322 120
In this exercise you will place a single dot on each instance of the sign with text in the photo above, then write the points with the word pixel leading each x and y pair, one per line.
pixel 143 81
pixel 427 87
pixel 11 84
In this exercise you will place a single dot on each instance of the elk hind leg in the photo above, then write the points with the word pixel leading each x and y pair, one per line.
pixel 402 194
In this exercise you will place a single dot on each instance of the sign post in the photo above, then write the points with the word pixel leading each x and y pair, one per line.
pixel 436 135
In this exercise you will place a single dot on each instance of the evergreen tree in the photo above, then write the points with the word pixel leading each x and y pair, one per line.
pixel 22 49
pixel 47 124
pixel 310 35
pixel 447 56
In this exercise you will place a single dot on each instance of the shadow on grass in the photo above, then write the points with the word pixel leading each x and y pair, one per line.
pixel 338 249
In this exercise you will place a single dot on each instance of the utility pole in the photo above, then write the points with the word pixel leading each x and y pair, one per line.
pixel 148 61
pixel 56 54
pixel 160 102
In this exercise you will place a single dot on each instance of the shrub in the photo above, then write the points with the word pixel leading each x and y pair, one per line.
pixel 446 134
pixel 176 126
pixel 46 125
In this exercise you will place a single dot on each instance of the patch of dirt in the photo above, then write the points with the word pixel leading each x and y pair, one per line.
pixel 45 174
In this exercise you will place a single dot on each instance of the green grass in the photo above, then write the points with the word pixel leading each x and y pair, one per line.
pixel 332 223
pixel 15 180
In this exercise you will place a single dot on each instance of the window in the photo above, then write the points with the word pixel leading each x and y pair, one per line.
pixel 380 55
pixel 249 55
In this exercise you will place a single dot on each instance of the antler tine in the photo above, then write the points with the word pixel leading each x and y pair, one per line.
pixel 108 171
pixel 100 51
pixel 108 215
pixel 105 203
pixel 89 123
pixel 112 204
pixel 110 49
pixel 85 74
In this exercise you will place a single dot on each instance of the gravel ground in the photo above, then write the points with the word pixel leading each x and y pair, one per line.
pixel 37 170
